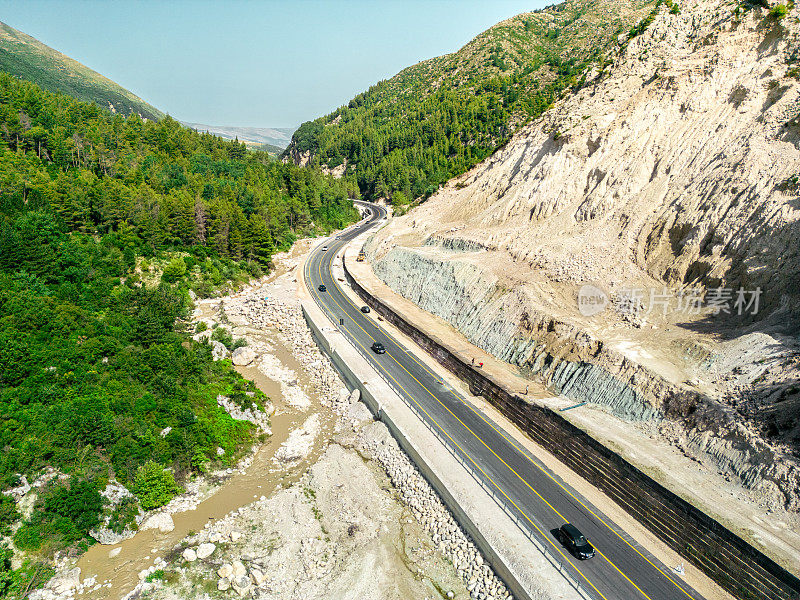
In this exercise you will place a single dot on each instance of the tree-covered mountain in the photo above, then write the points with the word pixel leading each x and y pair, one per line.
pixel 98 376
pixel 407 135
pixel 28 58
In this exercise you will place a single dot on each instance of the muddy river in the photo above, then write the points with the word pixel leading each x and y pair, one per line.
pixel 118 572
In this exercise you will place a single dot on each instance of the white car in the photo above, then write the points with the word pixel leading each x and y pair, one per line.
pixel 324 248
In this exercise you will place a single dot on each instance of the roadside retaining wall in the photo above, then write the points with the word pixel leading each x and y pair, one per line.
pixel 735 565
pixel 409 447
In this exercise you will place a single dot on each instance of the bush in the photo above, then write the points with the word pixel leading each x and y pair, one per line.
pixel 63 515
pixel 201 326
pixel 8 514
pixel 154 486
pixel 778 11
pixel 174 270
pixel 124 515
pixel 222 335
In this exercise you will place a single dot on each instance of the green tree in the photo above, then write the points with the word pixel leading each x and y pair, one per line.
pixel 154 486
pixel 174 270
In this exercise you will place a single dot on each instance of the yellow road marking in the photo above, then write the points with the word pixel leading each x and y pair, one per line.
pixel 456 443
pixel 466 454
pixel 545 472
pixel 513 443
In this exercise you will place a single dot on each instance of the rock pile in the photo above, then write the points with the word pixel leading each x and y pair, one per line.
pixel 66 585
pixel 376 441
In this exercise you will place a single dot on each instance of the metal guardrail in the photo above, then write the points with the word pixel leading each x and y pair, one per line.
pixel 498 499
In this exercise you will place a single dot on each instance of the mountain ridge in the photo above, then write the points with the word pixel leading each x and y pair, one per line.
pixel 277 137
pixel 673 173
pixel 407 135
pixel 28 58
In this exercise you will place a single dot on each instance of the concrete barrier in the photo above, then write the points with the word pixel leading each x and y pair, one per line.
pixel 409 447
pixel 735 565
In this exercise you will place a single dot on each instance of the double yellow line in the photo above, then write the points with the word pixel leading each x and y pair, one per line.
pixel 468 405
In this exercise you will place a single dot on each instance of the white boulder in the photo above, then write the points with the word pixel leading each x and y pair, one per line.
pixel 160 520
pixel 189 555
pixel 225 571
pixel 239 570
pixel 205 550
pixel 243 356
pixel 258 577
pixel 241 585
pixel 218 350
pixel 66 582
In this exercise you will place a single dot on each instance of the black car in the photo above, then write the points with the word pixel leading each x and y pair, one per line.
pixel 322 288
pixel 378 348
pixel 365 309
pixel 575 541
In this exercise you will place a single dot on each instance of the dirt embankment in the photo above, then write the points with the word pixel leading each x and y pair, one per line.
pixel 667 178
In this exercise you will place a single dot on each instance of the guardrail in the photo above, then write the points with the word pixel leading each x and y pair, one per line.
pixel 734 564
pixel 497 498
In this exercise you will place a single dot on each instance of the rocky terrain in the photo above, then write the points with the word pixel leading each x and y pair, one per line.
pixel 356 521
pixel 667 183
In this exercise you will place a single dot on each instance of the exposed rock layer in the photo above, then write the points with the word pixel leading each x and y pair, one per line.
pixel 672 168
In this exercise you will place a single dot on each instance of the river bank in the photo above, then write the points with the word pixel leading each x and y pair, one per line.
pixel 313 509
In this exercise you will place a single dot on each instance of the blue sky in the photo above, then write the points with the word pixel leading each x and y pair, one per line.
pixel 248 63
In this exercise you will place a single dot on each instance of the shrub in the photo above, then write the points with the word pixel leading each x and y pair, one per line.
pixel 124 515
pixel 222 335
pixel 63 515
pixel 200 327
pixel 778 11
pixel 8 514
pixel 154 486
pixel 174 270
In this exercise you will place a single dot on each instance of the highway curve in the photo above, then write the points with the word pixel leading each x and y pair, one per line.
pixel 621 570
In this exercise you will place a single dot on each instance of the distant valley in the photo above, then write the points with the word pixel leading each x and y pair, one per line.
pixel 276 137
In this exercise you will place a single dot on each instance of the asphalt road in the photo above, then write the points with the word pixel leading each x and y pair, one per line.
pixel 621 569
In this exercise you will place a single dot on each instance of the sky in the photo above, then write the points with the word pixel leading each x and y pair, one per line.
pixel 269 63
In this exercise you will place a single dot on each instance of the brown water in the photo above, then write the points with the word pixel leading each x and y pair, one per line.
pixel 261 478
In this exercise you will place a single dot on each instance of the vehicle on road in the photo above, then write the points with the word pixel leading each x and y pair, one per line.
pixel 365 309
pixel 324 248
pixel 575 541
pixel 322 288
pixel 378 348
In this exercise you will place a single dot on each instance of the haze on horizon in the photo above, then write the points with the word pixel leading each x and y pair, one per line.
pixel 254 64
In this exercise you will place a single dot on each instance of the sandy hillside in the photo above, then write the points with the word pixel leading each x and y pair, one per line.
pixel 673 170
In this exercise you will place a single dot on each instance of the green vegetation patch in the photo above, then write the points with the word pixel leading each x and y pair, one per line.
pixel 433 121
pixel 106 224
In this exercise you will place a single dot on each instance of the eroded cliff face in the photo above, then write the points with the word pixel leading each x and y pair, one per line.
pixel 673 168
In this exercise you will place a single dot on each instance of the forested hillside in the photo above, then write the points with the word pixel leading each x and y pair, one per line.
pixel 28 58
pixel 405 136
pixel 97 377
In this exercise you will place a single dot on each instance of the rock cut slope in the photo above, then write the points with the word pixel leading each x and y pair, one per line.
pixel 674 169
